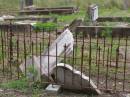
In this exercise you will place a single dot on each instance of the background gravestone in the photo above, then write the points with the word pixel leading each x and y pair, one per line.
pixel 28 3
pixel 91 15
pixel 93 12
pixel 126 4
pixel 21 4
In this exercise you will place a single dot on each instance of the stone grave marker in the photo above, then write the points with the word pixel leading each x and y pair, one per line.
pixel 28 3
pixel 93 12
pixel 50 70
pixel 66 38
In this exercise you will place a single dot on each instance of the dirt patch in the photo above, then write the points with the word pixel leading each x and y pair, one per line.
pixel 17 93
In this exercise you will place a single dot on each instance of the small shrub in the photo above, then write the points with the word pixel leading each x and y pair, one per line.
pixel 107 33
pixel 49 26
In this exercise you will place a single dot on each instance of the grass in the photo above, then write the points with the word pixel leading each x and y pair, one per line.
pixel 25 86
pixel 109 7
pixel 49 26
pixel 114 12
pixel 21 84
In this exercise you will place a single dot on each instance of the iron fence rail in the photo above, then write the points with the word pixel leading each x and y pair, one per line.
pixel 103 59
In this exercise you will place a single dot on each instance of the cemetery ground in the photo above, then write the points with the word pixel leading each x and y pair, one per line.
pixel 25 88
pixel 102 68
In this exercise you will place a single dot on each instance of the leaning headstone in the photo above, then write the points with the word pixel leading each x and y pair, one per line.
pixel 73 79
pixel 41 63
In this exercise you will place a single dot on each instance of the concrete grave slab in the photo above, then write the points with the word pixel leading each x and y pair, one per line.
pixel 53 89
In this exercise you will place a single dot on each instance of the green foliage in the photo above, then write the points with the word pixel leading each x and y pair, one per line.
pixel 107 32
pixel 16 84
pixel 32 71
pixel 49 26
pixel 2 54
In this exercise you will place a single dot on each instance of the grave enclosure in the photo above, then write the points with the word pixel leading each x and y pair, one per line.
pixel 100 52
pixel 104 60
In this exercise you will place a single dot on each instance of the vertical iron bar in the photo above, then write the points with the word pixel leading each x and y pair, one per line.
pixel 107 69
pixel 40 62
pixel 33 58
pixel 48 60
pixel 56 62
pixel 43 38
pixel 11 50
pixel 30 37
pixel 36 43
pixel 117 60
pixel 25 53
pixel 111 51
pixel 99 53
pixel 124 79
pixel 64 62
pixel 82 59
pixel 104 43
pixel 18 58
pixel 76 46
pixel 97 50
pixel 3 55
pixel 90 58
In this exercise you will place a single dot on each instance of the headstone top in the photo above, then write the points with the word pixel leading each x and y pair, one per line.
pixel 93 12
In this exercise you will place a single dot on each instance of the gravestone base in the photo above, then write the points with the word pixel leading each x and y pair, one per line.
pixel 53 89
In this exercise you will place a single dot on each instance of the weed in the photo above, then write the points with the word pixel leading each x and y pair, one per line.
pixel 16 84
pixel 49 26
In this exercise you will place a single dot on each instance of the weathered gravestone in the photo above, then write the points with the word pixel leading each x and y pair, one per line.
pixel 126 4
pixel 93 12
pixel 28 3
pixel 73 79
pixel 21 4
pixel 48 67
pixel 41 63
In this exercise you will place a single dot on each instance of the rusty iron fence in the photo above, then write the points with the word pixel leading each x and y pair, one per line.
pixel 103 59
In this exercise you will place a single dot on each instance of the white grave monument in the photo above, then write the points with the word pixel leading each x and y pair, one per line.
pixel 66 38
pixel 48 69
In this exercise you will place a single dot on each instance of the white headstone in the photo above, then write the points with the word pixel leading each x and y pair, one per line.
pixel 93 12
pixel 66 38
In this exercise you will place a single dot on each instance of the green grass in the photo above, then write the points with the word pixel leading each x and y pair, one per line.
pixel 109 4
pixel 23 85
pixel 114 12
pixel 49 26
pixel 106 8
pixel 16 84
